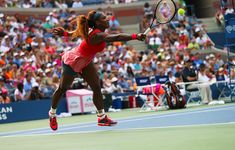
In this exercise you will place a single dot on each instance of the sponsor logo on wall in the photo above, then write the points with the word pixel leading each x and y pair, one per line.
pixel 4 111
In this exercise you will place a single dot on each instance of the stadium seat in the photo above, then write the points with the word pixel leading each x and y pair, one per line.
pixel 147 86
pixel 161 79
pixel 192 94
pixel 223 87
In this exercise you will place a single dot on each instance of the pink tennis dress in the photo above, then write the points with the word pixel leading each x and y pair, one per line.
pixel 80 56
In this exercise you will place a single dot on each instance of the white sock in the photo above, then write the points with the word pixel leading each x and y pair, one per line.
pixel 101 113
pixel 52 112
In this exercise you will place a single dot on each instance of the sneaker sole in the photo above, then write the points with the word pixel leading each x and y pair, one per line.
pixel 105 124
pixel 54 129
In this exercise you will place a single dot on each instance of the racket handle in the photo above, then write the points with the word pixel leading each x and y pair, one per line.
pixel 147 31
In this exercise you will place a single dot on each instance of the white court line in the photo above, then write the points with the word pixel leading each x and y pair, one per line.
pixel 156 116
pixel 118 130
pixel 129 119
pixel 145 118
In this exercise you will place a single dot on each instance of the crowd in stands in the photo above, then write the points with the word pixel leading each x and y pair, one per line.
pixel 30 63
pixel 62 4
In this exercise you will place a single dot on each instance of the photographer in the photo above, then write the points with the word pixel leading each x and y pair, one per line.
pixel 35 93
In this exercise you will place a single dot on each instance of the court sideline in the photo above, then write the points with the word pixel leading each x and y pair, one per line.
pixel 203 116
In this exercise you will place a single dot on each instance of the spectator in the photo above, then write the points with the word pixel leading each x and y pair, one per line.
pixel 130 73
pixel 219 18
pixel 48 78
pixel 205 90
pixel 19 93
pixel 193 45
pixel 189 74
pixel 224 3
pixel 115 88
pixel 61 4
pixel 55 81
pixel 114 24
pixel 148 12
pixel 77 4
pixel 26 4
pixel 171 76
pixel 35 93
pixel 106 81
pixel 4 98
pixel 221 75
pixel 28 83
pixel 178 73
pixel 123 83
pixel 155 41
pixel 144 24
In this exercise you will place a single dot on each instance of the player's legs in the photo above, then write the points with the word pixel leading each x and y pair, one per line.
pixel 65 83
pixel 91 76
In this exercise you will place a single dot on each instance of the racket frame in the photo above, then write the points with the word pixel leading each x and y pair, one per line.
pixel 155 16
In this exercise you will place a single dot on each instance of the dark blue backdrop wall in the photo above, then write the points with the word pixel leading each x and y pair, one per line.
pixel 28 110
pixel 220 42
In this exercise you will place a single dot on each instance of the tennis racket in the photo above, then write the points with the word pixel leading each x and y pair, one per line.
pixel 164 12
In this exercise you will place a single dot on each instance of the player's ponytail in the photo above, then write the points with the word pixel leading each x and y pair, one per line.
pixel 84 23
pixel 82 27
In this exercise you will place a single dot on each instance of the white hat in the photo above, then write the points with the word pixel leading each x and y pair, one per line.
pixel 1 15
pixel 54 63
pixel 212 56
pixel 22 53
pixel 221 69
pixel 197 29
pixel 168 57
pixel 16 54
pixel 96 60
pixel 30 60
pixel 6 36
pixel 34 44
pixel 114 79
pixel 48 65
pixel 179 66
pixel 47 70
pixel 35 84
pixel 40 70
pixel 51 13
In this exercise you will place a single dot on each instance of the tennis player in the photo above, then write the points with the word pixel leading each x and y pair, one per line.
pixel 91 29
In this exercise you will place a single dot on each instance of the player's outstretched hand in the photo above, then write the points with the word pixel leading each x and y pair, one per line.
pixel 58 31
pixel 141 36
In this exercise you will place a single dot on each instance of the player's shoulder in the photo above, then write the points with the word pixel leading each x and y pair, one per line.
pixel 93 31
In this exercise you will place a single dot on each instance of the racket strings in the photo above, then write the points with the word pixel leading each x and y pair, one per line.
pixel 165 11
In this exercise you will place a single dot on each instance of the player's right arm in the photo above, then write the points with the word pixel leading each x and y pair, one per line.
pixel 104 37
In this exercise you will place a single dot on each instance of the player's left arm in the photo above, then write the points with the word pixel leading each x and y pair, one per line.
pixel 60 31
